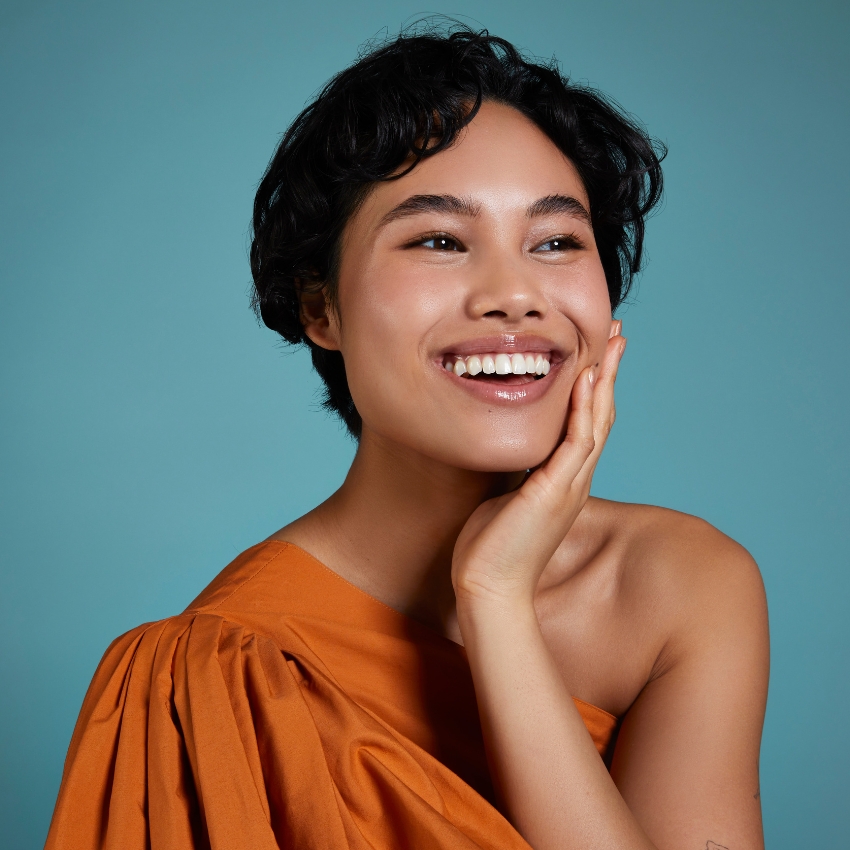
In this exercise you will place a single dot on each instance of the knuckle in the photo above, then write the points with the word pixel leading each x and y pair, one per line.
pixel 586 443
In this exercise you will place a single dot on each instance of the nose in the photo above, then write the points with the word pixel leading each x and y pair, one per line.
pixel 505 293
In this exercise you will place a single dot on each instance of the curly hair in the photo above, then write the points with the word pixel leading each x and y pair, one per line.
pixel 407 100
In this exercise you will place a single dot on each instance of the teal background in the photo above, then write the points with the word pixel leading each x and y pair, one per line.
pixel 151 430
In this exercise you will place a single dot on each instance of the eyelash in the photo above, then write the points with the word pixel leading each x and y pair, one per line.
pixel 420 241
pixel 570 242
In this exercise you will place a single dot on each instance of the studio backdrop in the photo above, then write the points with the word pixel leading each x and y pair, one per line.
pixel 150 429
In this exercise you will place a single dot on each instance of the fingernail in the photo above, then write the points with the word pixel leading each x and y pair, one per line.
pixel 591 377
pixel 623 347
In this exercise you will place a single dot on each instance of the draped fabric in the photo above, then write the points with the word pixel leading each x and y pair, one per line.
pixel 285 708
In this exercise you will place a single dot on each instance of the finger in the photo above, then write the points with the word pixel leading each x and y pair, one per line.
pixel 556 489
pixel 561 468
pixel 603 395
pixel 589 422
pixel 603 410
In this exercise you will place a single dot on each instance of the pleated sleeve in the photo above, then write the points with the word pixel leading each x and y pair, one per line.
pixel 197 732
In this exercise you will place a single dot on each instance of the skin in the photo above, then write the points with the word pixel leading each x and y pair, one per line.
pixel 647 613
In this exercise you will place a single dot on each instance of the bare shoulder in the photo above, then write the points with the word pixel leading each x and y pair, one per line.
pixel 679 547
pixel 695 578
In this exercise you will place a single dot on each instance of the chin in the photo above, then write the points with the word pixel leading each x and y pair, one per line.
pixel 492 455
pixel 500 441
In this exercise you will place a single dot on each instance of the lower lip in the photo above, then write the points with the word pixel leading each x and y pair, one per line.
pixel 505 394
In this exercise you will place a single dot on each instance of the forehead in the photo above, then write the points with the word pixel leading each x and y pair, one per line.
pixel 501 160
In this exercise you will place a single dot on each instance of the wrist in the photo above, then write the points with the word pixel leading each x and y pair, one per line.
pixel 503 611
pixel 479 590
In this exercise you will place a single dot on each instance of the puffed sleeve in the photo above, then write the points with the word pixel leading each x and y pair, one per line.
pixel 199 733
pixel 168 751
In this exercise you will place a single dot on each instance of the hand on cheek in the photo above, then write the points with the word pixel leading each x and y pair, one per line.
pixel 504 547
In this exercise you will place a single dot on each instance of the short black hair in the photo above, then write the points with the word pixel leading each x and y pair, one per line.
pixel 410 97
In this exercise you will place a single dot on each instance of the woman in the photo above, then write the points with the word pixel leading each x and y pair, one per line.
pixel 460 648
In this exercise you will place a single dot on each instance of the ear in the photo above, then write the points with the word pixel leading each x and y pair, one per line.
pixel 318 317
pixel 616 328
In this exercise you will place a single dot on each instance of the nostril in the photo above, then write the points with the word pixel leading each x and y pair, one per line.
pixel 496 314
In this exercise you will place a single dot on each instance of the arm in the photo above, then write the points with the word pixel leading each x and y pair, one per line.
pixel 687 755
pixel 545 767
pixel 554 785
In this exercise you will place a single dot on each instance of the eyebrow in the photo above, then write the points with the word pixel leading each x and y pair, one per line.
pixel 416 204
pixel 554 204
pixel 451 204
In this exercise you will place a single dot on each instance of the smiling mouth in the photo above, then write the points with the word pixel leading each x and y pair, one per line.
pixel 500 368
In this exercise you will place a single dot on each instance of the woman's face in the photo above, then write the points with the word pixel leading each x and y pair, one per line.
pixel 480 258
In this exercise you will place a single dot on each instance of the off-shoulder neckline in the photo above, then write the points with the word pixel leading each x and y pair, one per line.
pixel 409 621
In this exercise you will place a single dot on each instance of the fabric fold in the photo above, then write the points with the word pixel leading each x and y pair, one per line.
pixel 265 717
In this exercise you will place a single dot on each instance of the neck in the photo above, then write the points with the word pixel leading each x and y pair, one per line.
pixel 391 528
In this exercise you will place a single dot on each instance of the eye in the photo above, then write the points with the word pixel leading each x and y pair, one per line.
pixel 560 243
pixel 438 242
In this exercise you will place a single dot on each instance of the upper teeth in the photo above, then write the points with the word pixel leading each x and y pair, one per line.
pixel 500 364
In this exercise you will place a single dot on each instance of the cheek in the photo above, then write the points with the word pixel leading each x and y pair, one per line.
pixel 387 318
pixel 389 313
pixel 588 306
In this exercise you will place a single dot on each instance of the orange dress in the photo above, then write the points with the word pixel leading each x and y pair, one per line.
pixel 285 708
